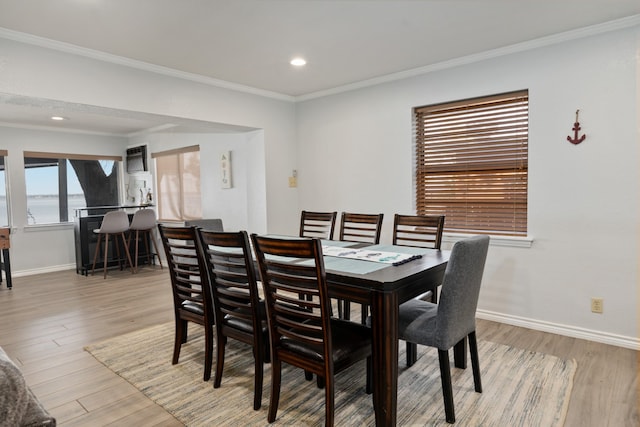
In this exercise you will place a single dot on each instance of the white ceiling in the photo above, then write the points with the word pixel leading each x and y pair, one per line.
pixel 249 42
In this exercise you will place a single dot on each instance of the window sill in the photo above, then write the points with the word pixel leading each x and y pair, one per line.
pixel 48 227
pixel 508 241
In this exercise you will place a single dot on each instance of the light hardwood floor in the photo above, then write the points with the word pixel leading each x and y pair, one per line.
pixel 46 320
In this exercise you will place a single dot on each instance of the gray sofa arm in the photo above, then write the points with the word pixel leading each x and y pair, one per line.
pixel 18 405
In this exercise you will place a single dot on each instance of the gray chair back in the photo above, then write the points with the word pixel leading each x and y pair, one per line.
pixel 456 316
pixel 214 224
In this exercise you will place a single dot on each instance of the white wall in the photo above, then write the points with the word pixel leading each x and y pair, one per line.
pixel 241 207
pixel 355 154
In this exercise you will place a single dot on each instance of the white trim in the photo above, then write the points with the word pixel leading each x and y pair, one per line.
pixel 508 241
pixel 55 129
pixel 43 270
pixel 140 65
pixel 617 24
pixel 632 343
pixel 49 226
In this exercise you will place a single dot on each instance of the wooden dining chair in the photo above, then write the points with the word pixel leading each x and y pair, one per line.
pixel 453 320
pixel 320 225
pixel 302 331
pixel 238 309
pixel 361 228
pixel 317 224
pixel 421 231
pixel 190 288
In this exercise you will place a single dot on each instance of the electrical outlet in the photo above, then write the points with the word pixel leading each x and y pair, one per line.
pixel 596 305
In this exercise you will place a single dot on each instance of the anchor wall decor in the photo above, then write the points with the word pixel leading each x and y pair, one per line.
pixel 576 127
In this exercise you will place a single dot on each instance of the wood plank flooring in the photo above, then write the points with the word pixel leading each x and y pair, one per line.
pixel 46 320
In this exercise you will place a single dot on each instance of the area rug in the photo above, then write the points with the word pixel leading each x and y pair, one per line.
pixel 520 388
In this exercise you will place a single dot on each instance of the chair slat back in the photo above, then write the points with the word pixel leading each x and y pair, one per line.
pixel 363 228
pixel 290 268
pixel 317 224
pixel 234 288
pixel 424 231
pixel 186 269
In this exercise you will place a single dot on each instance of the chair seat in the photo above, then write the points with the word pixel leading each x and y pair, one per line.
pixel 413 315
pixel 193 307
pixel 349 340
pixel 243 325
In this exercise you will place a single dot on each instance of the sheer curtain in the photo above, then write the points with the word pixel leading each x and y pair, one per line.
pixel 178 174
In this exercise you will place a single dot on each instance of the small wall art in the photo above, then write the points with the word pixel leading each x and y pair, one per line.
pixel 225 169
pixel 576 127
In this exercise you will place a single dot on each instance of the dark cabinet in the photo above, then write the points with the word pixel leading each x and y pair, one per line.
pixel 86 241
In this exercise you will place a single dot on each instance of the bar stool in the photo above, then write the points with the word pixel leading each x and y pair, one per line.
pixel 144 221
pixel 114 222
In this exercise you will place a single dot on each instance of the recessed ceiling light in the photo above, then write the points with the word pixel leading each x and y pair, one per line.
pixel 58 118
pixel 298 62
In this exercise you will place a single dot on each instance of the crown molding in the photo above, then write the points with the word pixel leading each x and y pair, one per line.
pixel 60 130
pixel 140 65
pixel 606 27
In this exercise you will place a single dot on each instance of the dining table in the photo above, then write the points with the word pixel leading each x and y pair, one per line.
pixel 383 286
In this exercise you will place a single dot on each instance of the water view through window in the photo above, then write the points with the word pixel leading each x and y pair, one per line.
pixel 57 187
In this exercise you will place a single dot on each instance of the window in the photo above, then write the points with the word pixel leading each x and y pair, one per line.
pixel 4 204
pixel 471 163
pixel 58 184
pixel 178 174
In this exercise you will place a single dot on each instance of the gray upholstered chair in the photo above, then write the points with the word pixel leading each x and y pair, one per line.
pixel 420 231
pixel 453 319
pixel 214 224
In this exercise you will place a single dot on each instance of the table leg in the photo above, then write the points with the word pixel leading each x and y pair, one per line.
pixel 7 267
pixel 384 324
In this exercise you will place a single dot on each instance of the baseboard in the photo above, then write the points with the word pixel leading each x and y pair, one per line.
pixel 44 270
pixel 632 343
pixel 538 325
